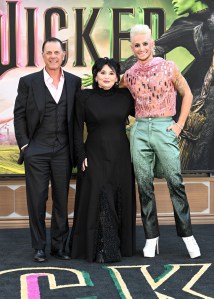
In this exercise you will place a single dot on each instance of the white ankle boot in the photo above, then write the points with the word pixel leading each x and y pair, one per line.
pixel 192 246
pixel 150 247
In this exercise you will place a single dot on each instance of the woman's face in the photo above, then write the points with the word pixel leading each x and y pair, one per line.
pixel 184 6
pixel 106 77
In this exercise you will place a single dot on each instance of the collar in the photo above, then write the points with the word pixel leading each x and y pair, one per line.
pixel 150 64
pixel 48 78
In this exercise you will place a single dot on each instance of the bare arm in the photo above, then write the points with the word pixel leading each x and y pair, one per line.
pixel 183 89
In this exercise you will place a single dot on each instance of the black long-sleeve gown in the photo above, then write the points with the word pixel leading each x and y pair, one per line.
pixel 104 215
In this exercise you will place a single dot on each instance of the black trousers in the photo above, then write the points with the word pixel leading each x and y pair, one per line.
pixel 44 164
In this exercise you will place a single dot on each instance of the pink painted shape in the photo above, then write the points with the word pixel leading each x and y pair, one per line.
pixel 4 45
pixel 18 34
pixel 54 24
pixel 33 286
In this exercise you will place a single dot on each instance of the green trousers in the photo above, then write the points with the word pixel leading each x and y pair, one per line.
pixel 153 147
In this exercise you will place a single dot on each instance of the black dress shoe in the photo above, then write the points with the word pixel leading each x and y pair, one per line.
pixel 60 254
pixel 39 256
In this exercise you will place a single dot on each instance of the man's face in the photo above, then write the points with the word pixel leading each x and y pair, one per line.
pixel 183 6
pixel 53 55
pixel 142 46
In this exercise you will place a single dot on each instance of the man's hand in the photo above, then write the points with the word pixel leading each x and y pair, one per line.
pixel 183 88
pixel 84 164
pixel 176 128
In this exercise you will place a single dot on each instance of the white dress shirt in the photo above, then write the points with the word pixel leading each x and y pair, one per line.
pixel 55 91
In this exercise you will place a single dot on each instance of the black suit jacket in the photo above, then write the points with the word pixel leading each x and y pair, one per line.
pixel 30 107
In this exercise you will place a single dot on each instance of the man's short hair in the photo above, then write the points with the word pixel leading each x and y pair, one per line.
pixel 54 40
pixel 140 29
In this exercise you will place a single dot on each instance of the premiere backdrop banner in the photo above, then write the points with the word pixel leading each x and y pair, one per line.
pixel 98 28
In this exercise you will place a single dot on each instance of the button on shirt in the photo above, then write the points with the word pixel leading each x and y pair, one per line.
pixel 55 92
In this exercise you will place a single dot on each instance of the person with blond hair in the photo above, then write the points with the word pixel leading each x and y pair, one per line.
pixel 153 83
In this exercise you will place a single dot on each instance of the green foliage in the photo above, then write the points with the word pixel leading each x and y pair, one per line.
pixel 87 80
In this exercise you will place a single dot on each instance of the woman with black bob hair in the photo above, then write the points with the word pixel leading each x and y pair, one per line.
pixel 104 214
pixel 99 64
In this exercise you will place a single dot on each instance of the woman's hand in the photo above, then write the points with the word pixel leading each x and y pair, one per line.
pixel 84 164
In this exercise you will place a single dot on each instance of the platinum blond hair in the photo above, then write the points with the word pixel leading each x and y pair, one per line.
pixel 140 29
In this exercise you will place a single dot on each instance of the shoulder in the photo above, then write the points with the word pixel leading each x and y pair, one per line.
pixel 123 92
pixel 173 70
pixel 131 70
pixel 166 63
pixel 32 76
pixel 71 76
pixel 170 63
pixel 129 74
pixel 124 95
pixel 184 21
pixel 173 67
pixel 168 67
pixel 82 95
pixel 184 26
pixel 28 80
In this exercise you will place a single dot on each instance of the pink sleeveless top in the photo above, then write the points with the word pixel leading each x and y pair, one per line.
pixel 152 88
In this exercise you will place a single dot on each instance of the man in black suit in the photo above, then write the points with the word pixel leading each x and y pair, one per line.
pixel 43 121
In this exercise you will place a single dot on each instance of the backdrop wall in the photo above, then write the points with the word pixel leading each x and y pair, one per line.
pixel 101 28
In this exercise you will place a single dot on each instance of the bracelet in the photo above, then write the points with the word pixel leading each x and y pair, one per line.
pixel 181 127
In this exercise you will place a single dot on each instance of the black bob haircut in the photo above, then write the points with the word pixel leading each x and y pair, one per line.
pixel 99 64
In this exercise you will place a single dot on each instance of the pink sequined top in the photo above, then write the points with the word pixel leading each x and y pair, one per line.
pixel 152 88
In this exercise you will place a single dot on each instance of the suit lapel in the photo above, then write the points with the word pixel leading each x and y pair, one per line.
pixel 38 87
pixel 70 90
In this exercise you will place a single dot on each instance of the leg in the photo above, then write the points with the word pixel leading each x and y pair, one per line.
pixel 167 151
pixel 60 177
pixel 180 204
pixel 143 161
pixel 37 171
